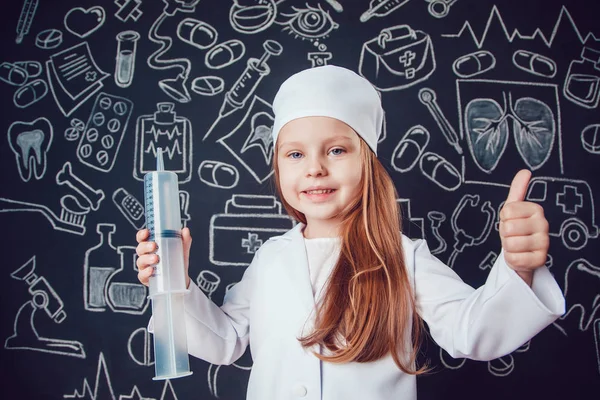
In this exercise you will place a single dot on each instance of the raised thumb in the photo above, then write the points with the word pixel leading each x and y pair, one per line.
pixel 518 187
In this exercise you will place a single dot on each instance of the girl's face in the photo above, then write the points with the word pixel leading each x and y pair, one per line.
pixel 319 170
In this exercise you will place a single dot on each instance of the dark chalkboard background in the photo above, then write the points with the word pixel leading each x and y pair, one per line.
pixel 512 91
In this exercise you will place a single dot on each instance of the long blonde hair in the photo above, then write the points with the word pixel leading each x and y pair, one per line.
pixel 368 299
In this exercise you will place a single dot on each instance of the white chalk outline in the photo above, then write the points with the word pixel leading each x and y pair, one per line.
pixel 271 5
pixel 436 218
pixel 181 146
pixel 592 148
pixel 408 138
pixel 195 24
pixel 135 395
pixel 486 208
pixel 586 318
pixel 477 55
pixel 213 167
pixel 226 47
pixel 91 288
pixel 131 208
pixel 127 306
pixel 581 223
pixel 267 150
pixel 84 63
pixel 104 131
pixel 387 34
pixel 534 57
pixel 97 10
pixel 28 163
pixel 86 391
pixel 25 19
pixel 537 34
pixel 462 130
pixel 148 347
pixel 133 11
pixel 125 65
pixel 42 294
pixel 93 197
pixel 263 207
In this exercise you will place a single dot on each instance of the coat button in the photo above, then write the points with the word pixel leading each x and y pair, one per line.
pixel 299 390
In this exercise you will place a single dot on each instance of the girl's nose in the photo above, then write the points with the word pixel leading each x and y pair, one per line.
pixel 316 167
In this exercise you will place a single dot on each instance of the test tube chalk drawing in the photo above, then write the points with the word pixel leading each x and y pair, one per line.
pixel 126 55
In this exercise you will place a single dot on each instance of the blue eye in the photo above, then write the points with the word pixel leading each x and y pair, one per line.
pixel 295 155
pixel 337 151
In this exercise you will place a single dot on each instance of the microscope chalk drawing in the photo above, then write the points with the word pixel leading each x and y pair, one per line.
pixel 167 283
pixel 43 297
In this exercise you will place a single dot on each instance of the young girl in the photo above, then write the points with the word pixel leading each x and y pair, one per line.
pixel 333 309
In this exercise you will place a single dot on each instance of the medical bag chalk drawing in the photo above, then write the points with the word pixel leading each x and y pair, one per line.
pixel 248 222
pixel 399 57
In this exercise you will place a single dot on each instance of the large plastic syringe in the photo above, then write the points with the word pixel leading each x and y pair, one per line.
pixel 167 284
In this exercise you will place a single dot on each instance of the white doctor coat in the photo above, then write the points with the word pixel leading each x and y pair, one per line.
pixel 273 305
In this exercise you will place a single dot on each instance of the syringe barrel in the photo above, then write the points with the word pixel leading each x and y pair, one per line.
pixel 163 217
pixel 167 284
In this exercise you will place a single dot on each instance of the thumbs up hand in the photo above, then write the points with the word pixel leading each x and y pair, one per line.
pixel 523 230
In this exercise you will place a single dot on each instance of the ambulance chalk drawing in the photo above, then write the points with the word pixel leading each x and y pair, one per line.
pixel 569 208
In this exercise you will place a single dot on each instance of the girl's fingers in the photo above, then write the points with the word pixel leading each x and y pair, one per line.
pixel 527 261
pixel 145 248
pixel 144 275
pixel 520 244
pixel 523 227
pixel 142 235
pixel 146 261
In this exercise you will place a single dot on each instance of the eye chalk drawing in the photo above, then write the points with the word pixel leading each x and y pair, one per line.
pixel 311 23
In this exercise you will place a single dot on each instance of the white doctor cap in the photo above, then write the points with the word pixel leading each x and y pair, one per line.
pixel 330 91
